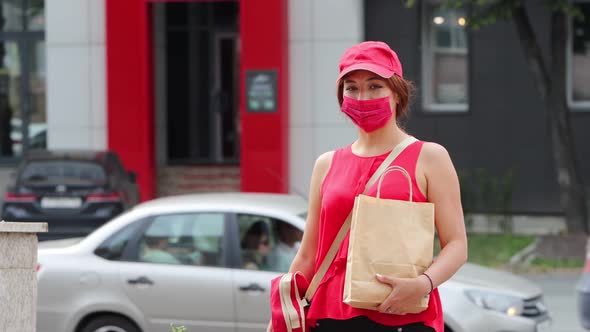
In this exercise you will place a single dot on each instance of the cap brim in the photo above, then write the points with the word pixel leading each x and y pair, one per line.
pixel 370 67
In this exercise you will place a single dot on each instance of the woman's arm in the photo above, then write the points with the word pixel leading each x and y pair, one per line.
pixel 443 190
pixel 304 261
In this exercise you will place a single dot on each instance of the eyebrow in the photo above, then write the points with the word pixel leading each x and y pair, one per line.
pixel 374 78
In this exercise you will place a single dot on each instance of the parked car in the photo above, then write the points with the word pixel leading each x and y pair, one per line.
pixel 73 191
pixel 109 282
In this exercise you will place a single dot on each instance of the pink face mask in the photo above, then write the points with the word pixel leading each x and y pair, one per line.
pixel 370 114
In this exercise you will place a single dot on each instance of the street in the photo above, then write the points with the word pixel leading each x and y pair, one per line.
pixel 560 298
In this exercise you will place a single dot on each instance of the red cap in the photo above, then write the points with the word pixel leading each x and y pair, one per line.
pixel 373 56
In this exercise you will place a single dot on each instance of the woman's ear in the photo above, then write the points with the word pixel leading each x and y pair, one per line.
pixel 394 102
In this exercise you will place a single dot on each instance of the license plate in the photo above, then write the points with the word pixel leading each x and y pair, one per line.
pixel 61 202
pixel 544 326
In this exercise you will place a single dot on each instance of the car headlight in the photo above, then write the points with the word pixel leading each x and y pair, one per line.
pixel 510 305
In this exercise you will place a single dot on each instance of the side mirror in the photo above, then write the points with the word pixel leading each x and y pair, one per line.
pixel 132 176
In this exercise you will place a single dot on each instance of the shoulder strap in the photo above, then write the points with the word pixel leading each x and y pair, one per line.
pixel 315 282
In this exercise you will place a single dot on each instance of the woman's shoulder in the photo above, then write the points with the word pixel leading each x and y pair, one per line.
pixel 326 158
pixel 433 152
pixel 323 162
pixel 435 159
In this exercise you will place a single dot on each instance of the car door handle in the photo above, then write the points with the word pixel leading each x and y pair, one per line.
pixel 253 287
pixel 140 281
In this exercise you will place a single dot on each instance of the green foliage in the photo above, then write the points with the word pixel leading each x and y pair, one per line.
pixel 483 192
pixel 563 263
pixel 177 328
pixel 567 7
pixel 493 250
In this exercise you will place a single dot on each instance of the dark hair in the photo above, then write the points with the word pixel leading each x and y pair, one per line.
pixel 403 88
pixel 253 234
pixel 152 241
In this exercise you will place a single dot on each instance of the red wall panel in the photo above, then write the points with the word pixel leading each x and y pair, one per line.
pixel 265 136
pixel 130 113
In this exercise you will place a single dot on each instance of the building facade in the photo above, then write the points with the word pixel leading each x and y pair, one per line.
pixel 204 95
pixel 477 97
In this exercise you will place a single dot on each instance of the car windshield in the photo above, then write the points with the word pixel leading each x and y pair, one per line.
pixel 73 172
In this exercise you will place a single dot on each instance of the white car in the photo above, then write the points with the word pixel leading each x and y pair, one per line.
pixel 110 281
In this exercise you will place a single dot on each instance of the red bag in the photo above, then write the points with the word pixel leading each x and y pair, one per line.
pixel 287 302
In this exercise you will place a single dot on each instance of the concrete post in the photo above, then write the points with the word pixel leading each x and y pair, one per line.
pixel 18 280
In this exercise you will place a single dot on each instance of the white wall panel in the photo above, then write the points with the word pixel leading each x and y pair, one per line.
pixel 96 16
pixel 68 70
pixel 70 137
pixel 300 81
pixel 325 61
pixel 98 138
pixel 301 19
pixel 76 67
pixel 331 138
pixel 97 87
pixel 338 20
pixel 67 21
pixel 301 151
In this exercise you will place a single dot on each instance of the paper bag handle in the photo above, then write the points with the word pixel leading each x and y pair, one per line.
pixel 399 169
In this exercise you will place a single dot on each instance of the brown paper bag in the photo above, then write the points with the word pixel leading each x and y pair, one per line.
pixel 389 237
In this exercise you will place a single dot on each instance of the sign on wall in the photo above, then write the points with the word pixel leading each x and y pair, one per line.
pixel 261 90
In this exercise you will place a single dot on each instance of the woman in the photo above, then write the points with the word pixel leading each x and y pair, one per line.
pixel 256 246
pixel 373 93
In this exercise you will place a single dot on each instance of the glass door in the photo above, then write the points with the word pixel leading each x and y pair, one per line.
pixel 225 109
pixel 196 68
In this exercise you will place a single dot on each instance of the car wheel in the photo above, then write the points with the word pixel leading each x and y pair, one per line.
pixel 110 324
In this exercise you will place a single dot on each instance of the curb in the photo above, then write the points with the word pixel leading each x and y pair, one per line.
pixel 525 256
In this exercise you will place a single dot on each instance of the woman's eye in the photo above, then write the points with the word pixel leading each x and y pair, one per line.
pixel 375 86
pixel 350 88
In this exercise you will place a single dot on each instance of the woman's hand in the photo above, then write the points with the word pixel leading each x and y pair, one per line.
pixel 406 292
pixel 269 327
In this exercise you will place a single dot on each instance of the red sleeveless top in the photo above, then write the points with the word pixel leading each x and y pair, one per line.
pixel 346 178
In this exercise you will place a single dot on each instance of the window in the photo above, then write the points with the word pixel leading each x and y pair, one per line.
pixel 74 172
pixel 267 244
pixel 579 61
pixel 184 239
pixel 113 247
pixel 444 61
pixel 23 123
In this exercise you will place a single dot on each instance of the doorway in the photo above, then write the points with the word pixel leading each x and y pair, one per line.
pixel 196 86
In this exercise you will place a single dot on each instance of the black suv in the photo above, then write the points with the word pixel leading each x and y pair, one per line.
pixel 73 191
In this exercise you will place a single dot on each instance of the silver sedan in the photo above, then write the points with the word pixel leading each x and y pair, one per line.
pixel 206 261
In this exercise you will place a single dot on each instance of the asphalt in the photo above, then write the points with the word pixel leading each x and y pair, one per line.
pixel 561 298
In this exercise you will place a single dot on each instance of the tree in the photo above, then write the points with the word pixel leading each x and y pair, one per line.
pixel 550 80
